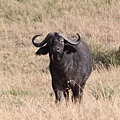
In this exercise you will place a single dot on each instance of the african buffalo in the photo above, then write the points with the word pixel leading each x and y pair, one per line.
pixel 70 64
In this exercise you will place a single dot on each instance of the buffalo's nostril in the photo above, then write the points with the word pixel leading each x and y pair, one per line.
pixel 57 49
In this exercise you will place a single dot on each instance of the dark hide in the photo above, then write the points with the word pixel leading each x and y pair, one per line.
pixel 70 66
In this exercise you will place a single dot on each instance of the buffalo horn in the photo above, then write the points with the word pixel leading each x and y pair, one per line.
pixel 41 43
pixel 73 42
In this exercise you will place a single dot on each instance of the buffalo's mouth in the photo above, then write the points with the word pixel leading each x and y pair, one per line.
pixel 56 53
pixel 56 56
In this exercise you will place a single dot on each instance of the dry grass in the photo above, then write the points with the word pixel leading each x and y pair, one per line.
pixel 25 82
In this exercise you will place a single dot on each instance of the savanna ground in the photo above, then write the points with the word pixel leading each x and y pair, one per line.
pixel 25 81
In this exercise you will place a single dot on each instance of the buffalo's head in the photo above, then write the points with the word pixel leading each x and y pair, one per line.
pixel 54 44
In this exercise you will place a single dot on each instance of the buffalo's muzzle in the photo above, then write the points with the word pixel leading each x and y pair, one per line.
pixel 55 50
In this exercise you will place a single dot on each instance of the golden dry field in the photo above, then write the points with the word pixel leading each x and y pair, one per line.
pixel 25 81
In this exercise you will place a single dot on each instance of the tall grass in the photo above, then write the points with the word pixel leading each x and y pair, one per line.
pixel 25 81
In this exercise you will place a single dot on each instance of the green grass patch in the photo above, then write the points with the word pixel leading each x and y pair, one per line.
pixel 19 92
pixel 104 91
pixel 14 96
pixel 103 56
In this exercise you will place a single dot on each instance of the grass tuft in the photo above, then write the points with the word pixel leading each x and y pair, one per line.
pixel 19 92
pixel 103 92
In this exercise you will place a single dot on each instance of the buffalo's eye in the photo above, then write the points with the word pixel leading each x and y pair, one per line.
pixel 61 40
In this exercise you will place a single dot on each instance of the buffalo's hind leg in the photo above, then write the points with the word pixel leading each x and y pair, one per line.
pixel 66 95
pixel 77 93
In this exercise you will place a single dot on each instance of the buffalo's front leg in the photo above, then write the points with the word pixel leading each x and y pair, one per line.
pixel 58 95
pixel 58 92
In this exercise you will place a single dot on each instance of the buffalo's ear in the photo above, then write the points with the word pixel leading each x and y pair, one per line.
pixel 69 49
pixel 42 51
